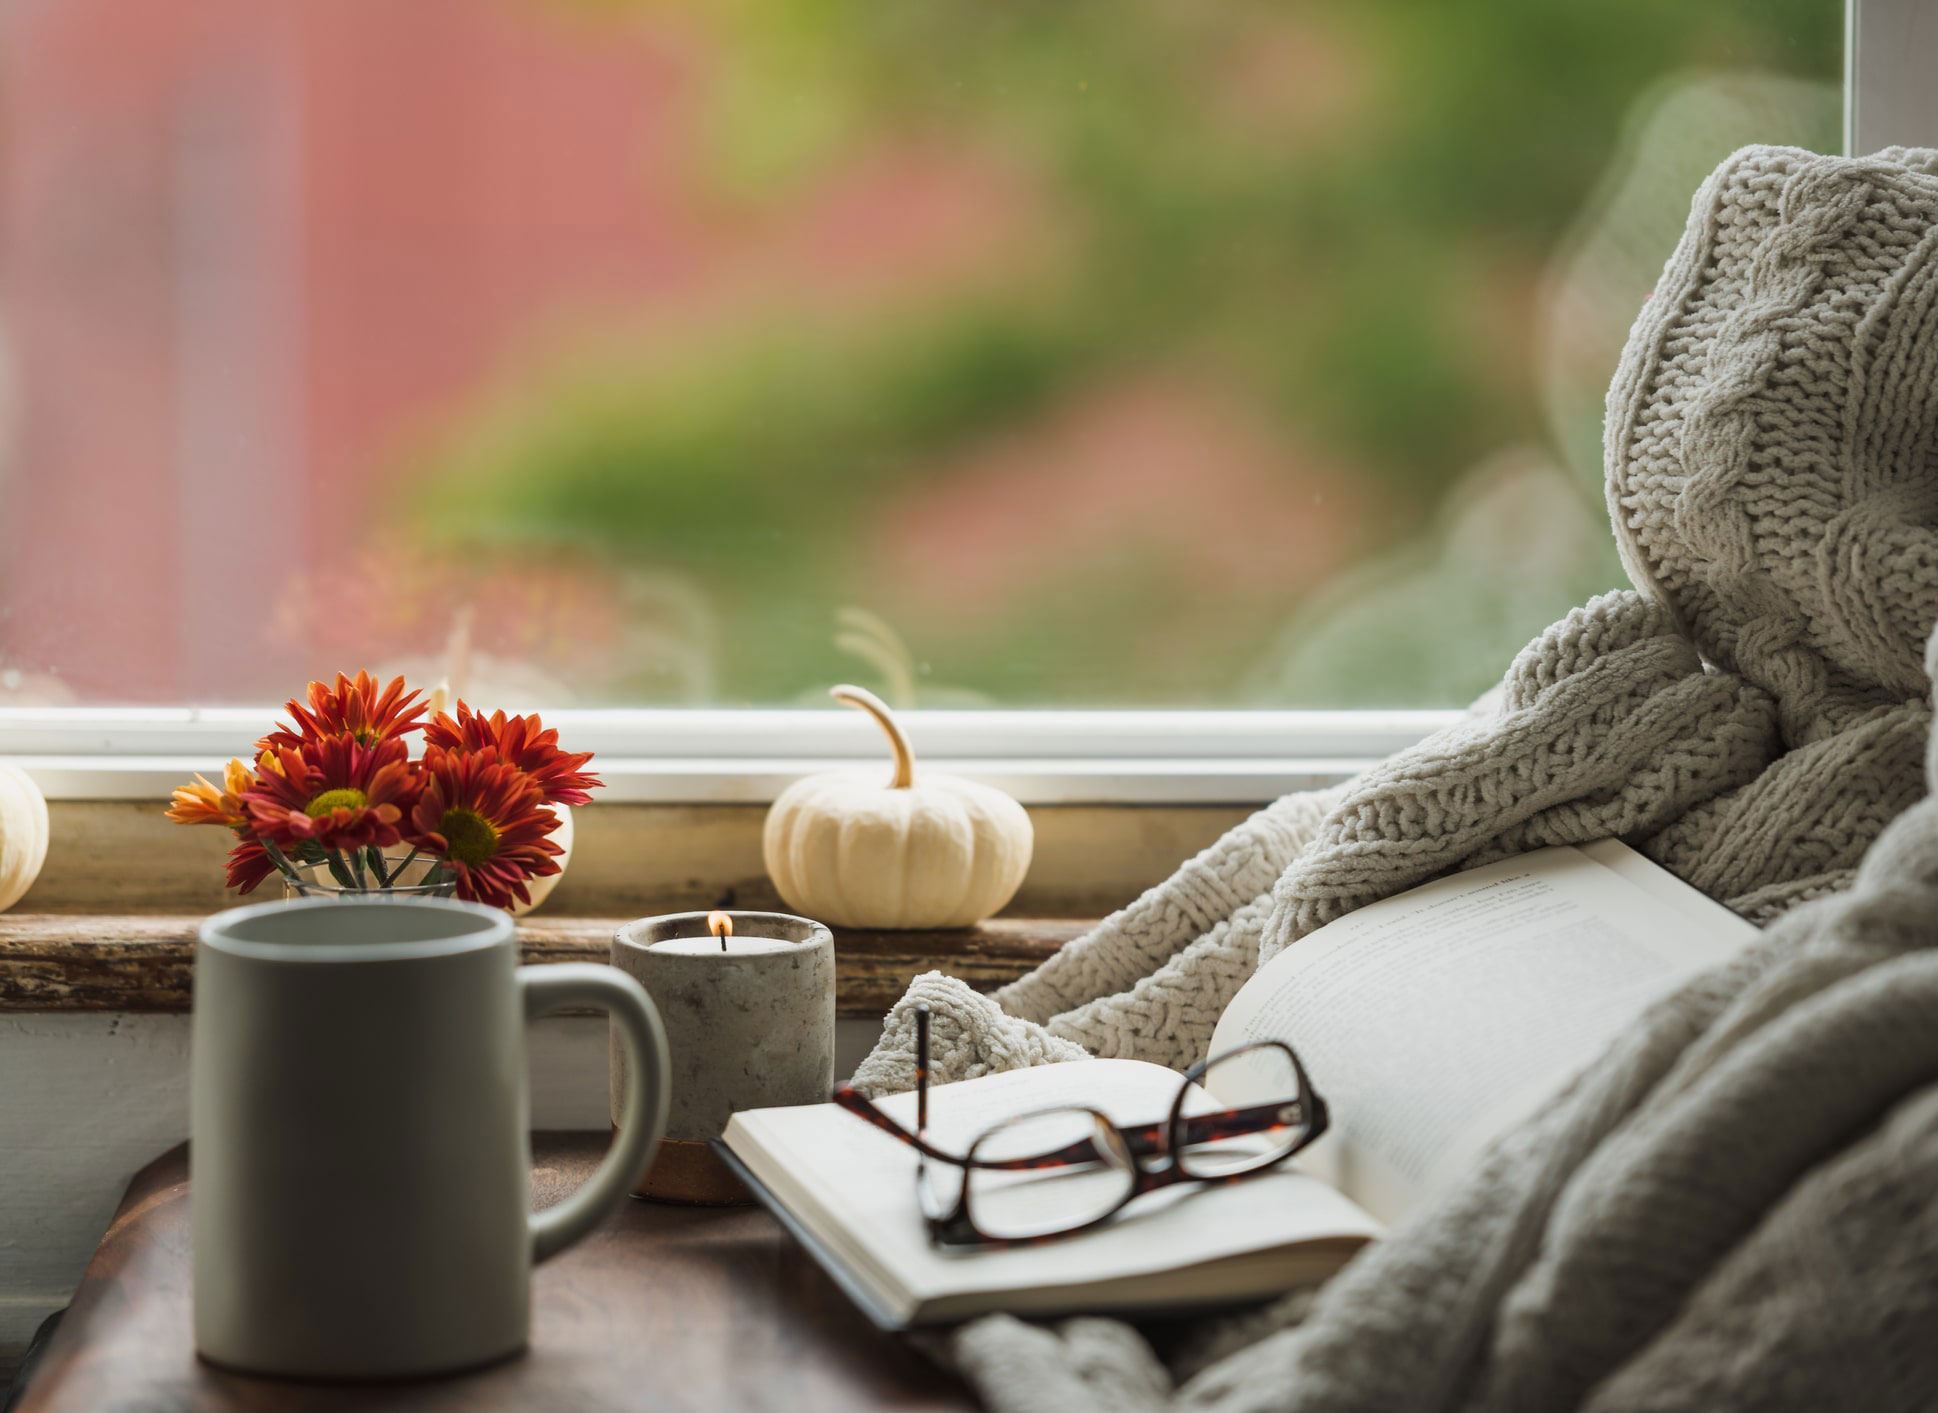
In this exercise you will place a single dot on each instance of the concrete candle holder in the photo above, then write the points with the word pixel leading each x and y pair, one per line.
pixel 750 1025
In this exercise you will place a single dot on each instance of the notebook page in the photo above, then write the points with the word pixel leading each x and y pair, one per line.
pixel 863 1182
pixel 1435 1020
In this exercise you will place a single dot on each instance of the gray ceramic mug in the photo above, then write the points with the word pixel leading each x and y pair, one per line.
pixel 361 1163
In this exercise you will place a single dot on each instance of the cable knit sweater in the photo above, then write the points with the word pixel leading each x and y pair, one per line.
pixel 1751 715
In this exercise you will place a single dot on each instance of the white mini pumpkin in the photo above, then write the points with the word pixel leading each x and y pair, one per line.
pixel 23 834
pixel 936 852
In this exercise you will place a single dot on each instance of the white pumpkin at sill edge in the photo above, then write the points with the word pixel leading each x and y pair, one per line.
pixel 23 834
pixel 938 851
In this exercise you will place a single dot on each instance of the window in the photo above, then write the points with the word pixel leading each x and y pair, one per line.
pixel 1115 353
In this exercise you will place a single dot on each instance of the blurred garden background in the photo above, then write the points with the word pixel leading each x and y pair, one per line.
pixel 1022 352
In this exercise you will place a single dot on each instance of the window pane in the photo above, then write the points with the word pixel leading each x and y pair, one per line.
pixel 1106 352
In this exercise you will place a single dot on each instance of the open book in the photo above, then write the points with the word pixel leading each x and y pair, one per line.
pixel 1431 1022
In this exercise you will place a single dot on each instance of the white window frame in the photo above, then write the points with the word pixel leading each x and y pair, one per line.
pixel 748 756
pixel 1890 50
pixel 1043 757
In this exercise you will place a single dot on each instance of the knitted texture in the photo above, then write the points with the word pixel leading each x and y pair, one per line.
pixel 1750 715
pixel 1737 1205
pixel 1734 1208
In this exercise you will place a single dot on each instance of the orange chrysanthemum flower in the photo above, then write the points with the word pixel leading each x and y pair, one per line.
pixel 522 741
pixel 487 819
pixel 353 708
pixel 249 864
pixel 203 803
pixel 336 793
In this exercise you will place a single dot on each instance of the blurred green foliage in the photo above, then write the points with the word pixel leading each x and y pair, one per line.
pixel 1340 212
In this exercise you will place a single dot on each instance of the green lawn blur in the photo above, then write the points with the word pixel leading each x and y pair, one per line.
pixel 1271 376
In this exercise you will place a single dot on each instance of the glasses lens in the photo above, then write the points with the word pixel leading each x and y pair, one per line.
pixel 1259 1114
pixel 1071 1168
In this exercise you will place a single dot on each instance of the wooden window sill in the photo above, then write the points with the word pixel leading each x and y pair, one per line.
pixel 140 962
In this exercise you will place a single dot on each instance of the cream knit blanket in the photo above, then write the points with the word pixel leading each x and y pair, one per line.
pixel 1751 716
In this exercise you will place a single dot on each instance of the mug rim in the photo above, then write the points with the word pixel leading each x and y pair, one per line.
pixel 493 928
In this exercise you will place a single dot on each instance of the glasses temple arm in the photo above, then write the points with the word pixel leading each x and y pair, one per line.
pixel 1224 1123
pixel 922 1069
pixel 858 1104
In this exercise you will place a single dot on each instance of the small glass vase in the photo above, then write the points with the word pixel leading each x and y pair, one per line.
pixel 419 877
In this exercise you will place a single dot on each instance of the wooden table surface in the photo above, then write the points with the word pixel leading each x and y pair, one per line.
pixel 662 1308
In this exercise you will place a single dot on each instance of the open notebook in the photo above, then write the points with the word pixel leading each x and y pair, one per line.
pixel 1431 1022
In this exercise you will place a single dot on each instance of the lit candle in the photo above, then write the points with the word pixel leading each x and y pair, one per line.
pixel 748 1004
pixel 722 940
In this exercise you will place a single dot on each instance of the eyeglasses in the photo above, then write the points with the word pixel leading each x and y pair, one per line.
pixel 1056 1171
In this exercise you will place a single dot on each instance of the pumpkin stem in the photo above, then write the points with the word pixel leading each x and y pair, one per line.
pixel 864 700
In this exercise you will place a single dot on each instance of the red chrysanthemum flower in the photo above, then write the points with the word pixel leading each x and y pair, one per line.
pixel 353 708
pixel 522 741
pixel 487 820
pixel 337 793
pixel 249 864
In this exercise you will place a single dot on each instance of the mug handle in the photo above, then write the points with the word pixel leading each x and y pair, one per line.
pixel 547 988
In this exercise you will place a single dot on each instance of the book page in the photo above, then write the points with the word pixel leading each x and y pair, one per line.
pixel 856 1181
pixel 1433 1021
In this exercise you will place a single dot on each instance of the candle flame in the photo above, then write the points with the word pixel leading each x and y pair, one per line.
pixel 720 925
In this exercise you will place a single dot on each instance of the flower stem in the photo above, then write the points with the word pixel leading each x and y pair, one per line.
pixel 374 860
pixel 398 872
pixel 281 860
pixel 339 870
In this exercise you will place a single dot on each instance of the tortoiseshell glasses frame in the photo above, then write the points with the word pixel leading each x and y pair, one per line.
pixel 1155 1153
